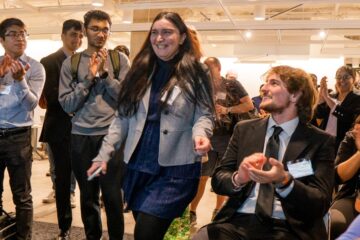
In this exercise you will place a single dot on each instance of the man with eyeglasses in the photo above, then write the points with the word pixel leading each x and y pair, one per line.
pixel 21 81
pixel 57 126
pixel 92 99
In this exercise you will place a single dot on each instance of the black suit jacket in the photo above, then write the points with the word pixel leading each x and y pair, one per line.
pixel 310 198
pixel 346 150
pixel 57 123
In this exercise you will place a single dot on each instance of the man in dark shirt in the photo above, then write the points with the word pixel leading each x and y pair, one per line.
pixel 57 124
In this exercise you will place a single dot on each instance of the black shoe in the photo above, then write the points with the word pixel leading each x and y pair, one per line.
pixel 64 235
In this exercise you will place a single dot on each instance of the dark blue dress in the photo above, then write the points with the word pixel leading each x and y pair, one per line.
pixel 163 192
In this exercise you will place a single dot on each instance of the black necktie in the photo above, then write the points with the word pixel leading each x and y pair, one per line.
pixel 264 204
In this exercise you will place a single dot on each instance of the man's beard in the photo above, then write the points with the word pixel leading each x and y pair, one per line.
pixel 273 108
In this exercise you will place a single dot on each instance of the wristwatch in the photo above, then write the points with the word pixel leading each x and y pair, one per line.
pixel 284 183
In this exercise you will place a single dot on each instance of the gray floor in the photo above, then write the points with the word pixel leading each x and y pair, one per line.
pixel 41 186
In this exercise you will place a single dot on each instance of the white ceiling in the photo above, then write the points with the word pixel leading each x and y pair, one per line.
pixel 290 30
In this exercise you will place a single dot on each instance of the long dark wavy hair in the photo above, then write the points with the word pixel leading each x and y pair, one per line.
pixel 189 74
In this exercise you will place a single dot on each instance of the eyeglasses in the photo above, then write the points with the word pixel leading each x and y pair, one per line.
pixel 343 77
pixel 97 30
pixel 17 35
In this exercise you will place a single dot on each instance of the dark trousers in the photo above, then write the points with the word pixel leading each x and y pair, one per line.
pixel 16 156
pixel 150 227
pixel 248 227
pixel 83 150
pixel 62 161
pixel 342 213
pixel 2 171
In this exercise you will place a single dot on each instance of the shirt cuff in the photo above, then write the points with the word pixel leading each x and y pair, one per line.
pixel 236 187
pixel 285 191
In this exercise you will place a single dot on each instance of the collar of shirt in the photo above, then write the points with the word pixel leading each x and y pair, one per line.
pixel 288 129
pixel 65 53
pixel 23 59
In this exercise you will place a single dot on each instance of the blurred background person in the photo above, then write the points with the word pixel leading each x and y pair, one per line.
pixel 347 174
pixel 124 49
pixel 337 111
pixel 231 99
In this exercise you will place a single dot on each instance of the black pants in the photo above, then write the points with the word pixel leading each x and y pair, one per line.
pixel 150 227
pixel 62 161
pixel 83 150
pixel 342 213
pixel 2 171
pixel 16 156
pixel 248 227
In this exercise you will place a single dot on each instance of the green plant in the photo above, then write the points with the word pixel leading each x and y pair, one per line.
pixel 179 228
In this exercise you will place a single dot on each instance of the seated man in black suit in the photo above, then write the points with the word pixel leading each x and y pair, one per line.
pixel 278 171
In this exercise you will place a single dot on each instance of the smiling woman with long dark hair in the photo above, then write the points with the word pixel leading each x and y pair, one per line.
pixel 164 123
pixel 338 111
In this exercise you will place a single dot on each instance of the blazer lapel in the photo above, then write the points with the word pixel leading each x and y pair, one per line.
pixel 298 143
pixel 257 138
pixel 146 97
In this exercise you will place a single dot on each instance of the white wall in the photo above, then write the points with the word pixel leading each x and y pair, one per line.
pixel 250 74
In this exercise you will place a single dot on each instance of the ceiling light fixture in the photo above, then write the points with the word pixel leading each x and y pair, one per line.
pixel 248 34
pixel 322 34
pixel 97 3
pixel 259 12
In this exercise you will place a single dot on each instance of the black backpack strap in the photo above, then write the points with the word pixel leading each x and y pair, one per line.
pixel 75 61
pixel 115 61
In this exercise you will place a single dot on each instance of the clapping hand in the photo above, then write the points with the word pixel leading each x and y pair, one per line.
pixel 18 70
pixel 5 65
pixel 97 63
pixel 323 92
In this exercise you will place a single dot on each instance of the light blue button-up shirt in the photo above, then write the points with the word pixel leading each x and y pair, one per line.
pixel 288 129
pixel 18 99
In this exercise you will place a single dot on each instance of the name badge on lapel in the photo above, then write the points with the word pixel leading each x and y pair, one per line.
pixel 175 92
pixel 300 168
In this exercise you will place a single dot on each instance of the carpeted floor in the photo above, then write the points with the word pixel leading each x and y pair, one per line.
pixel 48 231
